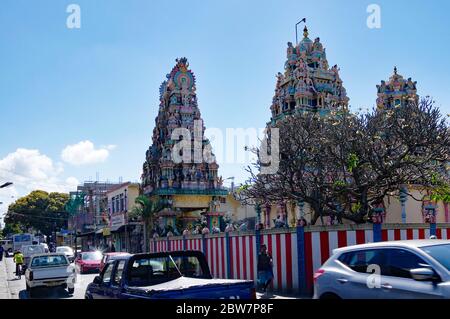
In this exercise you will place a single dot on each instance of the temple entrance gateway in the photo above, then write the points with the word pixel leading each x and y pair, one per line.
pixel 187 186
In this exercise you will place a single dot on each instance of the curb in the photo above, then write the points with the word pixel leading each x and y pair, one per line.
pixel 5 293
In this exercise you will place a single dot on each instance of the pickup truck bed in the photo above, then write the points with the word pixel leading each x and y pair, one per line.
pixel 170 275
pixel 193 288
pixel 42 274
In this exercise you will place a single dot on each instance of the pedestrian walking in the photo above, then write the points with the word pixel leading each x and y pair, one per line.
pixel 2 251
pixel 265 268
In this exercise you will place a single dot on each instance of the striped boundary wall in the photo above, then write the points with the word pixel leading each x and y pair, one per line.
pixel 296 252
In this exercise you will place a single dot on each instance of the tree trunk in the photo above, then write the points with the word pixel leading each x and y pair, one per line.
pixel 145 237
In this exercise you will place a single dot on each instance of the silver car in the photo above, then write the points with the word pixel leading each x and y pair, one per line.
pixel 386 270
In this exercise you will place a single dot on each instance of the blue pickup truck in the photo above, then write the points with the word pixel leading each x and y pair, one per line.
pixel 169 275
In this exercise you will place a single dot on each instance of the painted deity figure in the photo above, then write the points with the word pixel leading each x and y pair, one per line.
pixel 301 85
pixel 186 100
pixel 229 228
pixel 310 84
pixel 411 85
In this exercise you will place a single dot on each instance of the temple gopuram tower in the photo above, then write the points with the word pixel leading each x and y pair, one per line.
pixel 396 92
pixel 189 189
pixel 308 83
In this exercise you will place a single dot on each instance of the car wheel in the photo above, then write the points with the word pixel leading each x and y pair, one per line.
pixel 71 290
pixel 330 296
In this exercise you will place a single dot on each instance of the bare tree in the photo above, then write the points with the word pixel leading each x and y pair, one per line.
pixel 343 164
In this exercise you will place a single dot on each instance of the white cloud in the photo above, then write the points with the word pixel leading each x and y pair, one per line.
pixel 30 170
pixel 84 153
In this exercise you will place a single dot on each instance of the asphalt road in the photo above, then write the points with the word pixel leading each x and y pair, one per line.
pixel 18 290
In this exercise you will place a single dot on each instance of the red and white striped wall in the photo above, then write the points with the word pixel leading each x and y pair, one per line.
pixel 283 249
pixel 176 244
pixel 216 255
pixel 243 257
pixel 194 244
pixel 240 262
pixel 161 245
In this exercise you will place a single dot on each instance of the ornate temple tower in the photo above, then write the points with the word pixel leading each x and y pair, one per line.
pixel 308 83
pixel 187 187
pixel 397 92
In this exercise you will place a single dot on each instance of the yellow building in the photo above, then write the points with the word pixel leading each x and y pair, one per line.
pixel 121 201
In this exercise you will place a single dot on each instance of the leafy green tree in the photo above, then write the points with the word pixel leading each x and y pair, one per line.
pixel 39 210
pixel 146 209
pixel 11 229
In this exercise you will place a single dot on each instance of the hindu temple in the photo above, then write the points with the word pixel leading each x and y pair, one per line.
pixel 190 189
pixel 396 92
pixel 308 83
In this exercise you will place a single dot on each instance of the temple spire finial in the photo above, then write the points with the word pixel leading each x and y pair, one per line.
pixel 305 32
pixel 395 70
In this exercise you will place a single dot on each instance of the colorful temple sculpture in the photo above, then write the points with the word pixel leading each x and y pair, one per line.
pixel 308 83
pixel 189 188
pixel 396 92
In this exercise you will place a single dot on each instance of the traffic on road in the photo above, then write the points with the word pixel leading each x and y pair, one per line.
pixel 407 269
pixel 93 275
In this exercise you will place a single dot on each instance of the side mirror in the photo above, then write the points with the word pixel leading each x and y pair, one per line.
pixel 423 274
pixel 98 280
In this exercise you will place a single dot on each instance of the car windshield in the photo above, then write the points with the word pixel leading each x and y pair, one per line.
pixel 64 250
pixel 157 270
pixel 439 252
pixel 94 256
pixel 49 261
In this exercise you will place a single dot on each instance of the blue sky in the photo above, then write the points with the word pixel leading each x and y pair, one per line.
pixel 61 86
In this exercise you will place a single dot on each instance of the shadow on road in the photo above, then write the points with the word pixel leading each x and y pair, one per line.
pixel 45 293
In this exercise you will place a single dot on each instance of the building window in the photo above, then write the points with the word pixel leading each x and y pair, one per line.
pixel 121 203
pixel 126 201
pixel 113 205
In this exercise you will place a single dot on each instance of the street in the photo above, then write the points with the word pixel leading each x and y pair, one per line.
pixel 13 288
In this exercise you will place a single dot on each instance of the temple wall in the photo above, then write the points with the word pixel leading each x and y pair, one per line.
pixel 236 210
pixel 393 211
pixel 191 201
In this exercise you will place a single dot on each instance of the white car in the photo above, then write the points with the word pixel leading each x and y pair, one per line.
pixel 386 270
pixel 66 250
pixel 45 247
pixel 50 270
pixel 28 251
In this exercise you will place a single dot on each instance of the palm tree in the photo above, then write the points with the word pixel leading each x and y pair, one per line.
pixel 146 209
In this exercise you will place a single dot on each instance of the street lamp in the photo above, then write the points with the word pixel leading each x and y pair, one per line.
pixel 296 32
pixel 6 185
pixel 232 183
